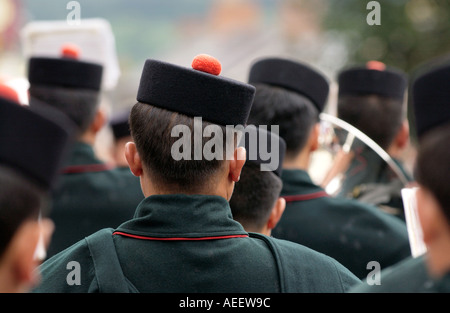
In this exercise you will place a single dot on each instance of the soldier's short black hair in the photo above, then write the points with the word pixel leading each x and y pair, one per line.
pixel 295 114
pixel 254 196
pixel 377 116
pixel 80 105
pixel 151 129
pixel 432 168
pixel 19 200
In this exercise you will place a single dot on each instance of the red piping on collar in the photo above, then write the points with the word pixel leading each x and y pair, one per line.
pixel 87 168
pixel 310 196
pixel 178 238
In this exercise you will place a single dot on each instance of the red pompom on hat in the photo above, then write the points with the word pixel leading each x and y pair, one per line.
pixel 66 70
pixel 9 93
pixel 70 51
pixel 198 91
pixel 374 77
pixel 207 64
pixel 376 65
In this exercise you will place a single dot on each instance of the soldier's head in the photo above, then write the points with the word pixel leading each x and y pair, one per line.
pixel 433 167
pixel 372 99
pixel 183 130
pixel 20 200
pixel 70 85
pixel 256 201
pixel 431 94
pixel 32 149
pixel 291 95
pixel 433 196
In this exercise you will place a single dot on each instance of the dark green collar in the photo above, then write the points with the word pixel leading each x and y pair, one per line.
pixel 298 182
pixel 182 216
pixel 82 154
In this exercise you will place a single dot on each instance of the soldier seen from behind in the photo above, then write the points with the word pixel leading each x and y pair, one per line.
pixel 430 271
pixel 256 201
pixel 292 94
pixel 91 195
pixel 183 237
pixel 372 99
pixel 33 147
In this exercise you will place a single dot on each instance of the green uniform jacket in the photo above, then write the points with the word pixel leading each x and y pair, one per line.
pixel 408 276
pixel 190 244
pixel 371 180
pixel 91 196
pixel 352 232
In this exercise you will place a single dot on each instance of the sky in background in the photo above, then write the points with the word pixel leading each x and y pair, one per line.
pixel 328 34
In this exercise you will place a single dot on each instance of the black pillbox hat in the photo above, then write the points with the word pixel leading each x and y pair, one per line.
pixel 120 124
pixel 258 143
pixel 34 143
pixel 361 80
pixel 431 99
pixel 293 76
pixel 195 93
pixel 65 72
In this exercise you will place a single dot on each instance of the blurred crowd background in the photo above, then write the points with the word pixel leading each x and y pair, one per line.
pixel 328 34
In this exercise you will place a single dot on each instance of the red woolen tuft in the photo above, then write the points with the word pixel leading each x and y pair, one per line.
pixel 9 93
pixel 207 63
pixel 70 51
pixel 376 65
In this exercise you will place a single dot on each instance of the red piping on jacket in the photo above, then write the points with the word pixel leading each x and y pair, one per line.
pixel 178 238
pixel 87 168
pixel 310 196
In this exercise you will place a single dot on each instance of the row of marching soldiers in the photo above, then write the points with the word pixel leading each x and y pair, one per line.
pixel 222 225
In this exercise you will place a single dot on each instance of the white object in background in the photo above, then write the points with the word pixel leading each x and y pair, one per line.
pixel 41 252
pixel 21 86
pixel 415 234
pixel 93 36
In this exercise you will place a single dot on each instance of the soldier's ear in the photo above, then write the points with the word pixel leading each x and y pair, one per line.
pixel 20 257
pixel 237 163
pixel 428 211
pixel 402 138
pixel 435 230
pixel 313 140
pixel 133 159
pixel 276 213
pixel 99 120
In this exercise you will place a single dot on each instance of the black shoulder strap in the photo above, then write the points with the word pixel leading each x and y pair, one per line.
pixel 109 274
pixel 276 255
